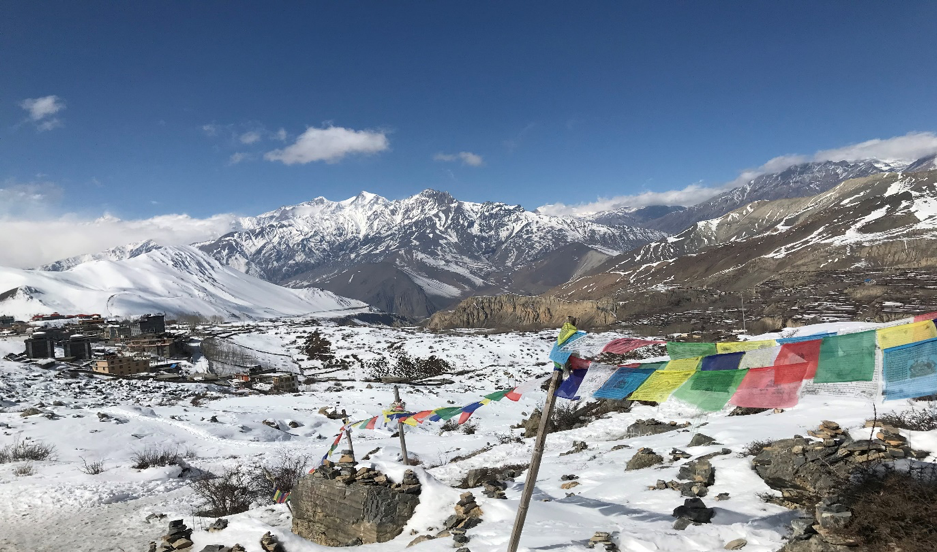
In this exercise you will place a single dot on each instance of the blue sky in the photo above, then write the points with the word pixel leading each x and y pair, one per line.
pixel 165 108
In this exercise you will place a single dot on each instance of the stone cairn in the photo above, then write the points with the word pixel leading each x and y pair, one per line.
pixel 177 538
pixel 467 515
pixel 494 480
pixel 603 538
pixel 341 505
pixel 810 473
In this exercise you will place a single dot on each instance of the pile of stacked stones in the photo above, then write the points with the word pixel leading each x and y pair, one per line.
pixel 341 505
pixel 467 515
pixel 177 538
pixel 269 543
pixel 807 470
pixel 344 471
pixel 603 538
pixel 494 480
pixel 810 473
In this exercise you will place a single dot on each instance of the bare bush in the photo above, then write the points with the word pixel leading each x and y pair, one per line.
pixel 893 510
pixel 405 368
pixel 92 468
pixel 232 492
pixel 450 425
pixel 915 419
pixel 282 473
pixel 151 457
pixel 24 470
pixel 317 347
pixel 754 448
pixel 26 450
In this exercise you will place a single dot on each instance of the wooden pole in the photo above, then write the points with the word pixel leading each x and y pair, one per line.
pixel 532 472
pixel 398 404
pixel 351 447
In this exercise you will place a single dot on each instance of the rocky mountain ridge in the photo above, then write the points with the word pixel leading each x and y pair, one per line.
pixel 415 255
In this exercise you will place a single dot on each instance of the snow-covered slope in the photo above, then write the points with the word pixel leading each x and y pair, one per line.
pixel 118 253
pixel 174 280
pixel 445 247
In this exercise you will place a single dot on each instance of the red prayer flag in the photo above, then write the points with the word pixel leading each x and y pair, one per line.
pixel 627 344
pixel 772 387
pixel 801 351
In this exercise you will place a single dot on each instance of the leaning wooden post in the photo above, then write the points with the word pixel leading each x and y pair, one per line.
pixel 537 456
pixel 351 447
pixel 399 406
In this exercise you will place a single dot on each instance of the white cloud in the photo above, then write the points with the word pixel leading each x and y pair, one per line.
pixel 907 148
pixel 692 194
pixel 239 156
pixel 49 124
pixel 28 199
pixel 34 242
pixel 467 158
pixel 40 108
pixel 211 129
pixel 910 147
pixel 250 137
pixel 329 144
pixel 280 135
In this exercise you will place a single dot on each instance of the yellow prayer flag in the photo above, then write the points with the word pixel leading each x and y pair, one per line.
pixel 906 333
pixel 566 332
pixel 409 421
pixel 659 385
pixel 741 346
pixel 683 364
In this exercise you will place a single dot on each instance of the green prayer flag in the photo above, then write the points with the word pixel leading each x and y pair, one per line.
pixel 849 357
pixel 678 350
pixel 710 390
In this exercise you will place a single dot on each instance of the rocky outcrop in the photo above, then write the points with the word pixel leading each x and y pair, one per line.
pixel 522 312
pixel 341 506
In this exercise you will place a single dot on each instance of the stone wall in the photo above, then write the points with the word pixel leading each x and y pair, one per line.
pixel 346 507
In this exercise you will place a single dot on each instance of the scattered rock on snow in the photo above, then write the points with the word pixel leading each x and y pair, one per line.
pixel 695 510
pixel 652 427
pixel 644 458
pixel 700 440
pixel 736 544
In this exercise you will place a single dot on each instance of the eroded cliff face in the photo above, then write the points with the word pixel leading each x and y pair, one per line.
pixel 522 312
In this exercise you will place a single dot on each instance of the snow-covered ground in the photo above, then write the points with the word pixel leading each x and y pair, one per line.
pixel 61 508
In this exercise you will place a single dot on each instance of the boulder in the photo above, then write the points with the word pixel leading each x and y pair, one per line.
pixel 700 440
pixel 736 544
pixel 644 458
pixel 694 510
pixel 334 512
pixel 700 471
pixel 652 427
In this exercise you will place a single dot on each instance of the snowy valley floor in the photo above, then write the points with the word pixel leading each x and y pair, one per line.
pixel 59 507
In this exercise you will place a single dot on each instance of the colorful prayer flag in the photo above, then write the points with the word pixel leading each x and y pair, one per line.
pixel 659 385
pixel 710 390
pixel 725 361
pixel 623 383
pixel 849 357
pixel 677 349
pixel 906 333
pixel 910 371
pixel 772 387
pixel 627 344
pixel 742 346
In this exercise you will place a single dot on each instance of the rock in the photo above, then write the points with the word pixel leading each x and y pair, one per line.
pixel 215 548
pixel 681 524
pixel 569 485
pixel 660 485
pixel 722 496
pixel 181 544
pixel 421 538
pixel 736 544
pixel 293 424
pixel 332 513
pixel 218 525
pixel 578 446
pixel 619 447
pixel 701 471
pixel 269 543
pixel 700 440
pixel 570 477
pixel 470 523
pixel 644 458
pixel 802 526
pixel 463 549
pixel 833 518
pixel 652 427
pixel 31 411
pixel 677 454
pixel 451 521
pixel 695 510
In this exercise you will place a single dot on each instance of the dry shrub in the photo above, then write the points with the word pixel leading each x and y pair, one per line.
pixel 405 368
pixel 893 510
pixel 92 468
pixel 282 473
pixel 151 457
pixel 754 448
pixel 24 470
pixel 28 450
pixel 915 419
pixel 232 492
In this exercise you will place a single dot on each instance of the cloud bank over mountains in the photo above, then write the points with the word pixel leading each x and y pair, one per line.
pixel 909 147
pixel 35 229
